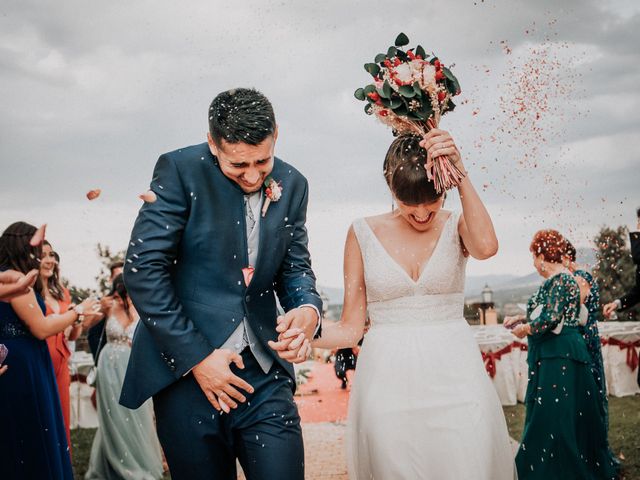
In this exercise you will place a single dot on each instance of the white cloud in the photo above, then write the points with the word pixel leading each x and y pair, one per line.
pixel 93 92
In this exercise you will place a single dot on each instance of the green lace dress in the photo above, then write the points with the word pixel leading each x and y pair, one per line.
pixel 565 434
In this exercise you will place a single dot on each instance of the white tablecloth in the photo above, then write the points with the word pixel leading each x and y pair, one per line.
pixel 83 415
pixel 509 368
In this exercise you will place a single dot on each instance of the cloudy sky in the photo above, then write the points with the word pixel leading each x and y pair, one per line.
pixel 92 92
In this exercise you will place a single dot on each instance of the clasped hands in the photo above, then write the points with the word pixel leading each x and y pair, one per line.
pixel 223 388
pixel 518 328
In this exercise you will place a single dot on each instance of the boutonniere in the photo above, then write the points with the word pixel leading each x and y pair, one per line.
pixel 272 192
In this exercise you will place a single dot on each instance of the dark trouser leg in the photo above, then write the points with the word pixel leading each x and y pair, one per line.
pixel 266 430
pixel 196 440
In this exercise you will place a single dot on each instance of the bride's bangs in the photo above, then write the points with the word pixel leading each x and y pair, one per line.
pixel 404 170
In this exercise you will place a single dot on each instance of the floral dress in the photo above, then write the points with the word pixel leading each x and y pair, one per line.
pixel 564 435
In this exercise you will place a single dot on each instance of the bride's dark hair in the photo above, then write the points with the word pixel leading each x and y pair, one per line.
pixel 405 173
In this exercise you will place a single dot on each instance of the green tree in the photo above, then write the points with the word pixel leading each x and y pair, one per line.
pixel 107 257
pixel 614 270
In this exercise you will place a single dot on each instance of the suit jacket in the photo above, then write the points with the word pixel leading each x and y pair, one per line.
pixel 633 296
pixel 184 268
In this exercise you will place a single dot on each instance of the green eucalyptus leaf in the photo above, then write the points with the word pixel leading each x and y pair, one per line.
pixel 401 40
pixel 359 94
pixel 450 105
pixel 407 91
pixel 381 93
pixel 367 109
pixel 395 102
pixel 454 81
pixel 401 110
pixel 417 89
pixel 369 89
pixel 420 51
pixel 401 55
pixel 381 57
pixel 372 68
pixel 391 52
pixel 386 88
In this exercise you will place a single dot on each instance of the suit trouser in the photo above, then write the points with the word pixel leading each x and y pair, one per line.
pixel 263 433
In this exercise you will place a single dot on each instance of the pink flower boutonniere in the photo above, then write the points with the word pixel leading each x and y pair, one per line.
pixel 272 191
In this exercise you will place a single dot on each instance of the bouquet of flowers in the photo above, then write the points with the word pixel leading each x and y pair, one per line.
pixel 410 92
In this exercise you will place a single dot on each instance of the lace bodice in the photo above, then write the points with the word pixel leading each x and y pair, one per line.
pixel 392 295
pixel 116 333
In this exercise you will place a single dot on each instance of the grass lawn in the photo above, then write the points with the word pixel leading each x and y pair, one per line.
pixel 624 431
pixel 624 435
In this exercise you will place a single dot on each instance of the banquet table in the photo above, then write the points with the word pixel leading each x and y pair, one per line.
pixel 505 359
pixel 83 413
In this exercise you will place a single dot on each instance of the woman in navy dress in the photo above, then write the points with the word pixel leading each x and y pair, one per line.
pixel 34 442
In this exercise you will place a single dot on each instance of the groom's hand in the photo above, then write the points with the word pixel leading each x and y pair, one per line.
pixel 296 329
pixel 218 382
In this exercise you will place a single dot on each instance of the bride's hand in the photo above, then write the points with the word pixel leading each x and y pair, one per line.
pixel 439 143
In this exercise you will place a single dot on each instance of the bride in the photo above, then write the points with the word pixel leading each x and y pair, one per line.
pixel 422 405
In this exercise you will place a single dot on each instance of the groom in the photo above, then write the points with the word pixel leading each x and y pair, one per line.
pixel 207 258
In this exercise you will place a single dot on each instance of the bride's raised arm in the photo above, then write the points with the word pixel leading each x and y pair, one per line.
pixel 475 227
pixel 349 330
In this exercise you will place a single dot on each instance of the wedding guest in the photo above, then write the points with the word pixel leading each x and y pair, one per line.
pixel 346 359
pixel 126 444
pixel 34 443
pixel 632 297
pixel 590 331
pixel 564 435
pixel 95 335
pixel 57 300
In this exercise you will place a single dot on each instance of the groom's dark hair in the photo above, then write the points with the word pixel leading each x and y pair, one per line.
pixel 241 115
pixel 405 173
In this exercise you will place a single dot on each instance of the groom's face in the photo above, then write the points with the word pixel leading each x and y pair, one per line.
pixel 247 165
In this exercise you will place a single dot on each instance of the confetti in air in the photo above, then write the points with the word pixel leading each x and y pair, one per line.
pixel 93 194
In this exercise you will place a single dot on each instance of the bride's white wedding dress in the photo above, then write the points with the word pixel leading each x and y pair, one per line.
pixel 422 405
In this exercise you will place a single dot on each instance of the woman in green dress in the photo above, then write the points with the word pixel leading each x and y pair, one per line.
pixel 564 433
pixel 126 445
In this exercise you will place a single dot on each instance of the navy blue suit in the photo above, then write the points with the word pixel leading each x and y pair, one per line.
pixel 184 275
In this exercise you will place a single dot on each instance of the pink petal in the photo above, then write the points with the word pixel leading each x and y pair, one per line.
pixel 38 237
pixel 93 194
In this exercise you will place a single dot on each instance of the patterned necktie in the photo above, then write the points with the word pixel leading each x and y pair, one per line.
pixel 251 220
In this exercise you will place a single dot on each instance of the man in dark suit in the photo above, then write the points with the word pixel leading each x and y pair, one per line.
pixel 209 252
pixel 632 297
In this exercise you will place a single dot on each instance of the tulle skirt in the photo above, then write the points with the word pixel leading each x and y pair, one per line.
pixel 126 444
pixel 423 407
